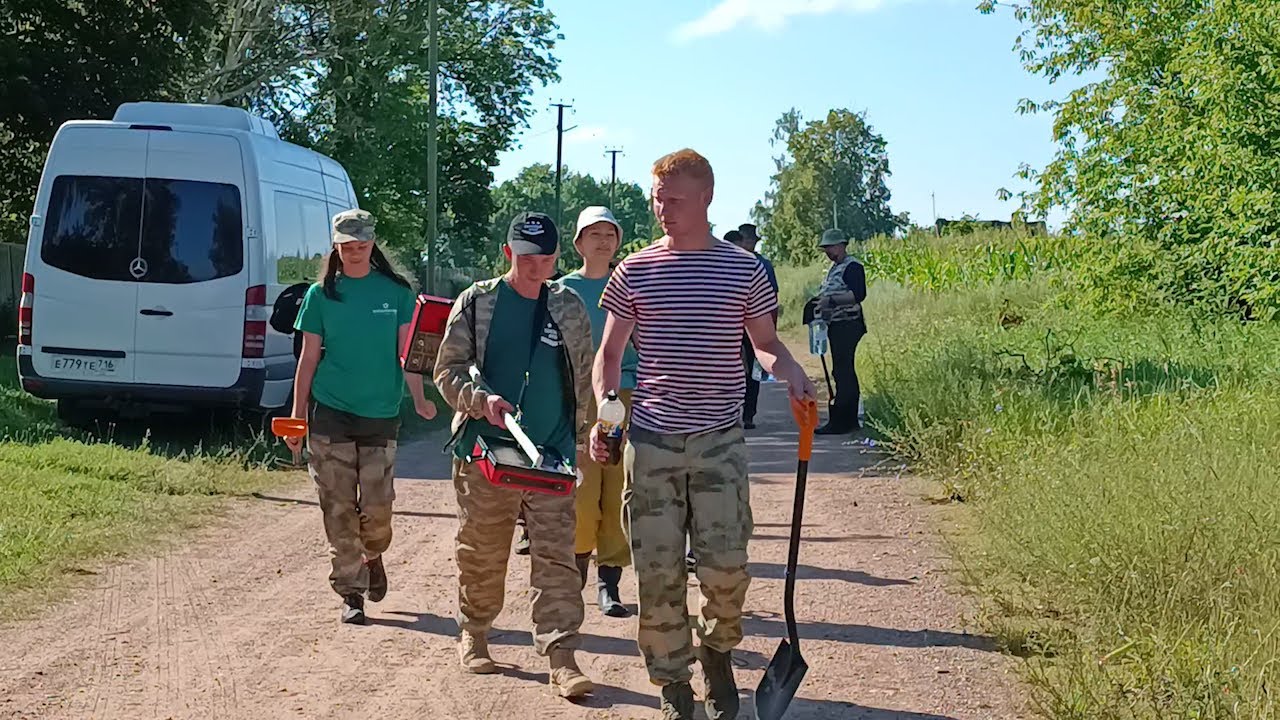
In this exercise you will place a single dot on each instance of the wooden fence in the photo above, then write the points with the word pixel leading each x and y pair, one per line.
pixel 12 258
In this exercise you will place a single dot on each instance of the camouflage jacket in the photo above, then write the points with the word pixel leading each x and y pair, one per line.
pixel 466 338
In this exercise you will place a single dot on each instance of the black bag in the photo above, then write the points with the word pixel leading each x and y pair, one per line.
pixel 285 311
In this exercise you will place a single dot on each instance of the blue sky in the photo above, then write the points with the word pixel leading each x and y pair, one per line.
pixel 939 80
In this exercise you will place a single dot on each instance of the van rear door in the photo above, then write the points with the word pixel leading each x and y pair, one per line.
pixel 83 240
pixel 191 293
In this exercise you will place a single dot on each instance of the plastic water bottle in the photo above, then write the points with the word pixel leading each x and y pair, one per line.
pixel 818 337
pixel 610 417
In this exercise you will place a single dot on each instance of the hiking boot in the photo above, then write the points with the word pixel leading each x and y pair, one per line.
pixel 567 679
pixel 610 602
pixel 677 701
pixel 353 609
pixel 473 653
pixel 583 561
pixel 377 579
pixel 717 676
pixel 522 540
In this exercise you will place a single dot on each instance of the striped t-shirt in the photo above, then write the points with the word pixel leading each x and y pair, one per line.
pixel 690 308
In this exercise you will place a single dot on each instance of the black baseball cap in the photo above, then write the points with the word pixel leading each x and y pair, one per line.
pixel 533 233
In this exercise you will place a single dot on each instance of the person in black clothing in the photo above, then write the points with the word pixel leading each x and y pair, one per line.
pixel 745 238
pixel 839 303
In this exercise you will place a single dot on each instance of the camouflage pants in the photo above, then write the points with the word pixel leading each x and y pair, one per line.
pixel 693 486
pixel 486 519
pixel 353 466
pixel 599 508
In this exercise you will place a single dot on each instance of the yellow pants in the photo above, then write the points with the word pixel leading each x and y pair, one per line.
pixel 599 508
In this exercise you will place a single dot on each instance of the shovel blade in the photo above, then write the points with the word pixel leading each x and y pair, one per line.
pixel 780 682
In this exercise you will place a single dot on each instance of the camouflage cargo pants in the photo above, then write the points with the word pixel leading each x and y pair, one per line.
pixel 486 519
pixel 694 486
pixel 353 466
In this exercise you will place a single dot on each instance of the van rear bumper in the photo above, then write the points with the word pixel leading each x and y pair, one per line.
pixel 246 392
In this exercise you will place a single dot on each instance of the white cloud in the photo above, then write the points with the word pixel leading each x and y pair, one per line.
pixel 767 15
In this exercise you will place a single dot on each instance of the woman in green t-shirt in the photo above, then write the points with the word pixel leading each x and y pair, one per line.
pixel 349 386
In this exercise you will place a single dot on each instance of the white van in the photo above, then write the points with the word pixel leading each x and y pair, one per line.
pixel 158 244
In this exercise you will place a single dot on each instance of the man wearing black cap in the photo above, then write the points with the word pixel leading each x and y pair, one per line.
pixel 530 340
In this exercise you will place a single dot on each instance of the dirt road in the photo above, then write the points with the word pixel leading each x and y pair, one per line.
pixel 238 621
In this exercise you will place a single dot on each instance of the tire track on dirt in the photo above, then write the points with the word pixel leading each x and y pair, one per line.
pixel 221 672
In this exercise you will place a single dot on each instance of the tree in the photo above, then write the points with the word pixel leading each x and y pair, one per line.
pixel 534 189
pixel 355 87
pixel 67 61
pixel 1169 161
pixel 832 171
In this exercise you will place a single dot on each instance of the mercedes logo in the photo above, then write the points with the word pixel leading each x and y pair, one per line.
pixel 138 268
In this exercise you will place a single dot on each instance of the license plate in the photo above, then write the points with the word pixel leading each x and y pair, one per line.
pixel 95 367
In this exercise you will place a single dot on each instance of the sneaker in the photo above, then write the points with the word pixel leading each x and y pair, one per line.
pixel 567 680
pixel 473 653
pixel 353 609
pixel 377 579
pixel 722 691
pixel 677 701
pixel 610 602
pixel 690 563
pixel 522 541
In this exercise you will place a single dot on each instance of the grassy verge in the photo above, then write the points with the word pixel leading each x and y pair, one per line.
pixel 73 500
pixel 1121 474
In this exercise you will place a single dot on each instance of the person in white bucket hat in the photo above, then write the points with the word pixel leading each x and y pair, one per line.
pixel 599 502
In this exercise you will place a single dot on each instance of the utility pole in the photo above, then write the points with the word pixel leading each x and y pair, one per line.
pixel 835 190
pixel 933 198
pixel 433 192
pixel 559 155
pixel 613 174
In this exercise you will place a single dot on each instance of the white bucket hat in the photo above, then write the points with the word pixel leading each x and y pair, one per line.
pixel 593 214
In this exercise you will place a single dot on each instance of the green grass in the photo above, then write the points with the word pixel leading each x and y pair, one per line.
pixel 73 500
pixel 1121 474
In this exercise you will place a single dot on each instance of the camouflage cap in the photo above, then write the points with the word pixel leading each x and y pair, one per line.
pixel 353 226
pixel 832 237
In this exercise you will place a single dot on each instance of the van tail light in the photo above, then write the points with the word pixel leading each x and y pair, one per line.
pixel 26 309
pixel 256 314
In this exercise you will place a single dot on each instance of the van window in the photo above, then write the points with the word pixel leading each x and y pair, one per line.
pixel 186 231
pixel 302 238
pixel 92 226
pixel 191 231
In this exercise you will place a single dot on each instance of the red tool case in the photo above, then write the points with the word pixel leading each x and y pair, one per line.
pixel 503 464
pixel 430 314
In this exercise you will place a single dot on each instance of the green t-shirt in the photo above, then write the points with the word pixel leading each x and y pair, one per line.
pixel 590 290
pixel 360 371
pixel 546 417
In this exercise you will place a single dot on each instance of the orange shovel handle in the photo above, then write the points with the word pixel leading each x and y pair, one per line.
pixel 806 414
pixel 284 427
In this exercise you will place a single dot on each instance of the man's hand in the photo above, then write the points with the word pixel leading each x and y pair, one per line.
pixel 799 386
pixel 425 408
pixel 824 303
pixel 494 408
pixel 599 450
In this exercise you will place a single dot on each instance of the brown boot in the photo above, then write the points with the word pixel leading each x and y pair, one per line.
pixel 567 680
pixel 473 653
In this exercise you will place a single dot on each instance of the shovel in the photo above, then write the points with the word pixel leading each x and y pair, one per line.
pixel 787 669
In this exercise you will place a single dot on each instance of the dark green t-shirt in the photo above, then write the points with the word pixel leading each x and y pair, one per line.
pixel 546 417
pixel 360 372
